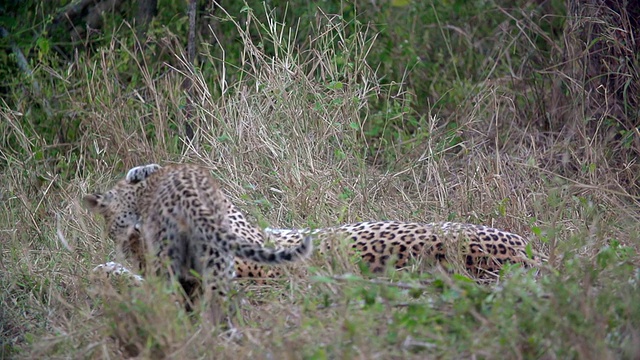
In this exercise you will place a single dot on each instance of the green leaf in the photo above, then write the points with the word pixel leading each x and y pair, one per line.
pixel 529 250
pixel 400 3
pixel 322 279
pixel 336 85
pixel 536 230
pixel 44 47
pixel 462 278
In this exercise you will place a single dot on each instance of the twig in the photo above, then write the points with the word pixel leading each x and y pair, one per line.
pixel 187 84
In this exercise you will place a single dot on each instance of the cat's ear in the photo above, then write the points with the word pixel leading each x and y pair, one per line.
pixel 95 202
pixel 140 173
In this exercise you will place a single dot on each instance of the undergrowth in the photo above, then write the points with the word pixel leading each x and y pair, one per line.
pixel 314 134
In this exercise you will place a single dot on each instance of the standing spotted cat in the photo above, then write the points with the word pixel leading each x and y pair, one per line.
pixel 177 217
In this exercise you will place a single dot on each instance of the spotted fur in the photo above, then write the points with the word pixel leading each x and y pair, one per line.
pixel 481 250
pixel 177 216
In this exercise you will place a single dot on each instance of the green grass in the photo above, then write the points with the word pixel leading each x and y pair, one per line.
pixel 310 135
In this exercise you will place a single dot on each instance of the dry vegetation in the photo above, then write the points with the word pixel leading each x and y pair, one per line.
pixel 288 144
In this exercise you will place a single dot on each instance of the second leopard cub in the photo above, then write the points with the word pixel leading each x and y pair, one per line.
pixel 180 215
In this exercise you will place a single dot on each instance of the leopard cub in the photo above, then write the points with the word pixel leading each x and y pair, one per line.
pixel 173 220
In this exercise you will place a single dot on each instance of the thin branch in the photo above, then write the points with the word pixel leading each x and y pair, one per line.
pixel 187 84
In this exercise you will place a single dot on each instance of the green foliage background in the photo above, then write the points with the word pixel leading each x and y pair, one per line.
pixel 431 57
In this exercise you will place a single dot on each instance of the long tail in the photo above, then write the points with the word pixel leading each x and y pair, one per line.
pixel 257 253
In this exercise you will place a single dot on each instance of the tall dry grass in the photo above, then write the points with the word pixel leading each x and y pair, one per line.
pixel 287 142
